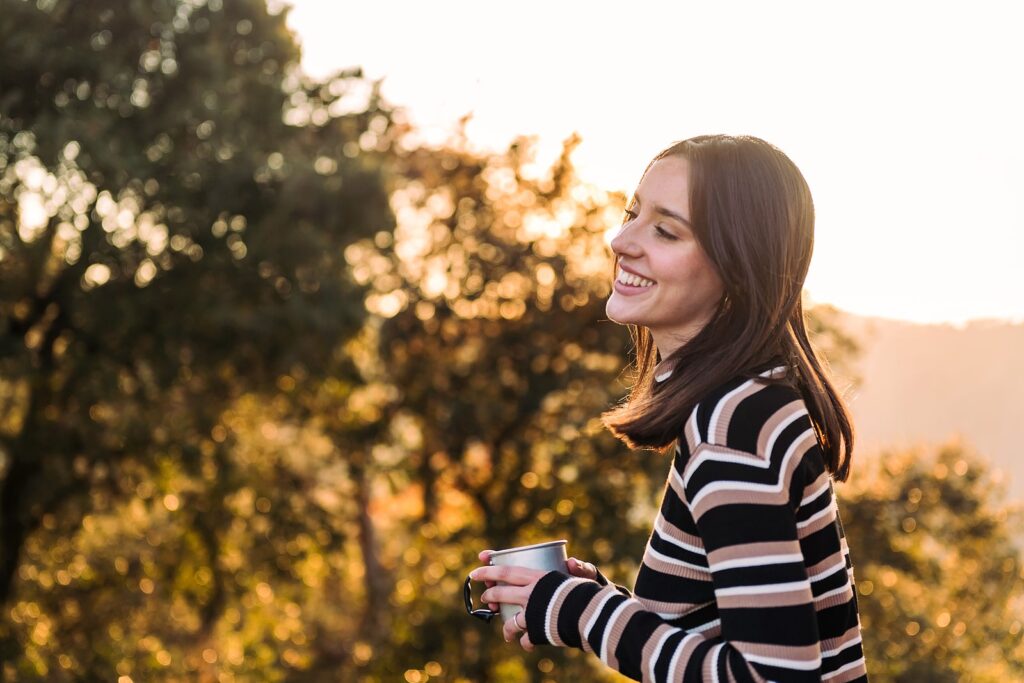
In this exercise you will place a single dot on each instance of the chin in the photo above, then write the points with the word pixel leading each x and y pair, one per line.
pixel 620 317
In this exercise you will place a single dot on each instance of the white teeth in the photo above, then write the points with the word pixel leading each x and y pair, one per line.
pixel 633 280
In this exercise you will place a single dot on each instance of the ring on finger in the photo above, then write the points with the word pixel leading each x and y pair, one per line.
pixel 515 620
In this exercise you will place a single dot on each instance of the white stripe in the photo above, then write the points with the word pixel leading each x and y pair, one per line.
pixel 829 653
pixel 732 485
pixel 608 630
pixel 666 535
pixel 717 413
pixel 706 627
pixel 690 608
pixel 763 589
pixel 757 561
pixel 834 591
pixel 785 663
pixel 693 413
pixel 657 650
pixel 678 563
pixel 597 613
pixel 669 615
pixel 551 606
pixel 693 421
pixel 708 453
pixel 817 515
pixel 675 657
pixel 845 667
pixel 778 430
pixel 674 473
pixel 814 494
pixel 746 486
pixel 841 564
pixel 716 653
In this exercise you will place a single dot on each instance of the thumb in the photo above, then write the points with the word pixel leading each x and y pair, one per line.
pixel 582 569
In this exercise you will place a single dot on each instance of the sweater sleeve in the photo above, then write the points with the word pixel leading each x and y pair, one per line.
pixel 603 580
pixel 745 511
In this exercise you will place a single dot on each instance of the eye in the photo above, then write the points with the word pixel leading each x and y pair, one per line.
pixel 664 234
pixel 630 215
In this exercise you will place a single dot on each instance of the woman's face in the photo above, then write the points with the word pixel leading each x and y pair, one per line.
pixel 664 279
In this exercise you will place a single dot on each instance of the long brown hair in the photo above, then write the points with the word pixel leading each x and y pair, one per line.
pixel 752 213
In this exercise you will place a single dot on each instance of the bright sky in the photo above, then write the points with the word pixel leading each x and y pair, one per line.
pixel 906 118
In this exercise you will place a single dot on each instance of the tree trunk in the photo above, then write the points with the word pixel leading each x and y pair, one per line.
pixel 377 580
pixel 13 527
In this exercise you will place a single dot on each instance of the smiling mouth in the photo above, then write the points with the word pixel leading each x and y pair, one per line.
pixel 631 280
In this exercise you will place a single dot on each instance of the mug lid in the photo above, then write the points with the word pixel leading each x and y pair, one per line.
pixel 529 547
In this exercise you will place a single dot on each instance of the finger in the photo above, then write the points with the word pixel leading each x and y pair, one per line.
pixel 508 595
pixel 525 642
pixel 485 557
pixel 493 606
pixel 582 569
pixel 518 576
pixel 510 628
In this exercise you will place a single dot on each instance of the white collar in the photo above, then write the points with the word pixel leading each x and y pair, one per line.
pixel 666 370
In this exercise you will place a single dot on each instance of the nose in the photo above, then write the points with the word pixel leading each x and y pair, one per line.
pixel 625 243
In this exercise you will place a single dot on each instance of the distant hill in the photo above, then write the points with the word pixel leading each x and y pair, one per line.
pixel 928 383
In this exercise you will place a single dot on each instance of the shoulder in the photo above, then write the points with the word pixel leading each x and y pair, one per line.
pixel 753 440
pixel 751 413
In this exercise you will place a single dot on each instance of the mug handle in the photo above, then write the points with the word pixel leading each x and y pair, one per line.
pixel 484 614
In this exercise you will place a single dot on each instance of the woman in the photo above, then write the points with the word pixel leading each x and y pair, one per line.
pixel 746 575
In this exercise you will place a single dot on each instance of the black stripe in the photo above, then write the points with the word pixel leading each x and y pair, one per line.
pixel 676 552
pixel 761 574
pixel 596 634
pixel 694 670
pixel 651 583
pixel 637 631
pixel 572 610
pixel 737 523
pixel 843 657
pixel 762 624
pixel 665 656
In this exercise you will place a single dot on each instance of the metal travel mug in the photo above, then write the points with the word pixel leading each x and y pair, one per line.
pixel 545 556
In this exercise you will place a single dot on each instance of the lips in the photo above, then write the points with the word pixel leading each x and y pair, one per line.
pixel 631 278
pixel 634 272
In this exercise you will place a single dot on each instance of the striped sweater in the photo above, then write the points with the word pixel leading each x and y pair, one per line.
pixel 746 575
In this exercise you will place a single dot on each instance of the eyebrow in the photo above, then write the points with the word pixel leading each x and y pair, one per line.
pixel 665 212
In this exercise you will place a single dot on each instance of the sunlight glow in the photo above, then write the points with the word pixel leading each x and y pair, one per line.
pixel 904 118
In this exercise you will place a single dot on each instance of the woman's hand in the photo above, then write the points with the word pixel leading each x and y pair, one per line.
pixel 521 581
pixel 519 586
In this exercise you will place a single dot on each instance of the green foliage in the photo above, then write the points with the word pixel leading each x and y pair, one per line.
pixel 938 568
pixel 271 376
pixel 491 292
pixel 170 240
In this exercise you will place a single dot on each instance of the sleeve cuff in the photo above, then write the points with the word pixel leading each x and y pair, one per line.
pixel 555 606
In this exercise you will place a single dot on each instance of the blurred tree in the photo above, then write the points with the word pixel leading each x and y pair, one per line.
pixel 246 427
pixel 938 567
pixel 490 296
pixel 175 200
pixel 838 347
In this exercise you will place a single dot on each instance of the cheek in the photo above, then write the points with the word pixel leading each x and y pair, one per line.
pixel 701 283
pixel 713 283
